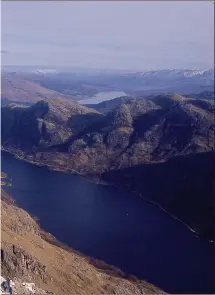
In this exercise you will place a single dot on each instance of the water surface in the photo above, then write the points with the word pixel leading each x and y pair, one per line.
pixel 102 96
pixel 113 225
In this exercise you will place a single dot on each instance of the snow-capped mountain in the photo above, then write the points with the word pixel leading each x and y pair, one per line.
pixel 175 73
pixel 46 71
pixel 84 82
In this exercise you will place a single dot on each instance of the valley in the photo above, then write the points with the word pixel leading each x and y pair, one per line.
pixel 90 86
pixel 107 147
pixel 112 180
pixel 112 146
pixel 113 225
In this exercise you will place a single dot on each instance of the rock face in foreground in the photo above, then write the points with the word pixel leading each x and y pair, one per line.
pixel 18 287
pixel 33 257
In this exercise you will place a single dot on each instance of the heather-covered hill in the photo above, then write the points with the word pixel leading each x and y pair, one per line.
pixel 46 123
pixel 136 133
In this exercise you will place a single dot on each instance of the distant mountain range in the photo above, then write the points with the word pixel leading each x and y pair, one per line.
pixel 22 88
pixel 85 71
pixel 32 84
pixel 163 81
pixel 167 73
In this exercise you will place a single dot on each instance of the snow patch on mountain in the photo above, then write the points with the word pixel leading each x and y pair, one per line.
pixel 46 71
pixel 175 73
pixel 8 286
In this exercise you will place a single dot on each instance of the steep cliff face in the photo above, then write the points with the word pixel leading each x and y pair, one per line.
pixel 30 257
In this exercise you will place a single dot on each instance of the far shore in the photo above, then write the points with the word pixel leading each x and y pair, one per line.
pixel 97 180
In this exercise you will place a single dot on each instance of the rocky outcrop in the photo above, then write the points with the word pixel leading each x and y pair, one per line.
pixel 16 286
pixel 16 262
pixel 119 138
pixel 109 105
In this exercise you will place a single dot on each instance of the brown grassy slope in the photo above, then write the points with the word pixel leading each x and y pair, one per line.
pixel 27 256
pixel 21 89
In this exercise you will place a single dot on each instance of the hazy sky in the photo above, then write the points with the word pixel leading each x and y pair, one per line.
pixel 109 34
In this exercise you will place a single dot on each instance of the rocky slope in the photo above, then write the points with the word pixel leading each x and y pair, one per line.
pixel 47 123
pixel 108 105
pixel 18 287
pixel 203 95
pixel 18 87
pixel 33 259
pixel 136 132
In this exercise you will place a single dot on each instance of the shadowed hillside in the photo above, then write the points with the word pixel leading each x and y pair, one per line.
pixel 182 185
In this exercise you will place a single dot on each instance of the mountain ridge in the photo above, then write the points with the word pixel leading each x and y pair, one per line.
pixel 34 84
pixel 137 132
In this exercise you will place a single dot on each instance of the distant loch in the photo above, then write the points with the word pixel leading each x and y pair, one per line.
pixel 102 96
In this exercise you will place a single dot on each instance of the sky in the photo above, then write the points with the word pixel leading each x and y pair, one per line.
pixel 141 35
